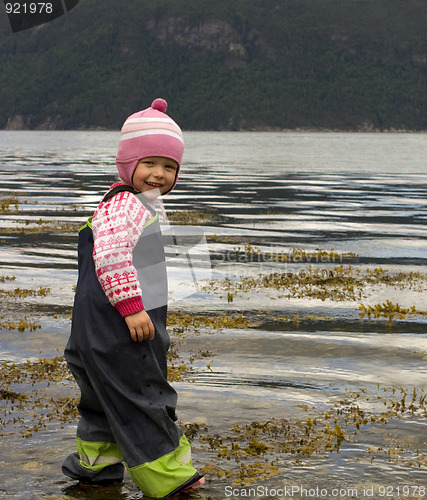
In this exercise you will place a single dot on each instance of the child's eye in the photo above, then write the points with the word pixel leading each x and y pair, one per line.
pixel 170 167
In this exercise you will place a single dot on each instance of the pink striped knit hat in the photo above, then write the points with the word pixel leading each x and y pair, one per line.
pixel 149 132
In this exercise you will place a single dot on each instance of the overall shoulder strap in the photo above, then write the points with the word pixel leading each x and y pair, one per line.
pixel 124 187
pixel 107 197
pixel 118 189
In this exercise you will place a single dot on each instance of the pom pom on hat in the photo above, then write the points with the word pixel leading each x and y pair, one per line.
pixel 160 104
pixel 150 132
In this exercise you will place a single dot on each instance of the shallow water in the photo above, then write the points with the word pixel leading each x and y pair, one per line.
pixel 257 196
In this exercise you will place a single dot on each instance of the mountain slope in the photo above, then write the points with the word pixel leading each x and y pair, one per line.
pixel 335 64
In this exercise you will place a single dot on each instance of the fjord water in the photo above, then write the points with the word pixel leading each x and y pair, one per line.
pixel 363 196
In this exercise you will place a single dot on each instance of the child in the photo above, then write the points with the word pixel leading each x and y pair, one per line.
pixel 118 343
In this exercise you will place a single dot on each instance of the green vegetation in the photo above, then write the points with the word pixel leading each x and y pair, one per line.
pixel 334 64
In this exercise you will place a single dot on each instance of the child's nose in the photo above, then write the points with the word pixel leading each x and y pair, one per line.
pixel 159 171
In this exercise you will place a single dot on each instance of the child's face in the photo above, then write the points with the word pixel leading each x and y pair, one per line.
pixel 155 172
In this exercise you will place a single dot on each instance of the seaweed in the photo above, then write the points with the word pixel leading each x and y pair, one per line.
pixel 9 205
pixel 390 311
pixel 191 217
pixel 294 440
pixel 179 322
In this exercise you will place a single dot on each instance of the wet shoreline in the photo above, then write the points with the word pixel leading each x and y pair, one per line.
pixel 299 359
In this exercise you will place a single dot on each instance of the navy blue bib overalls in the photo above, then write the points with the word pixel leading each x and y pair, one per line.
pixel 127 407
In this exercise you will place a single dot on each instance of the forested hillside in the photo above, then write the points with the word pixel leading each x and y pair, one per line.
pixel 223 64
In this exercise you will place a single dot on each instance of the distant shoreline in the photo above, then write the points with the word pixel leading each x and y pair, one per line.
pixel 255 129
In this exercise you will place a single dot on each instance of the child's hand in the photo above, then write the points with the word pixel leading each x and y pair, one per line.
pixel 140 326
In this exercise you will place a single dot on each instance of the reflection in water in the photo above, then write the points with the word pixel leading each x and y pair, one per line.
pixel 359 198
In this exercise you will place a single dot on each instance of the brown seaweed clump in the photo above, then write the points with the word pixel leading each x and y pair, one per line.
pixel 32 393
pixel 191 217
pixel 261 450
pixel 179 322
pixel 9 205
pixel 390 311
pixel 340 283
pixel 8 298
pixel 20 324
pixel 13 205
pixel 37 394
pixel 29 397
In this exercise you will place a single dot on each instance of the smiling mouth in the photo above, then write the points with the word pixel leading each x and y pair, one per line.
pixel 152 184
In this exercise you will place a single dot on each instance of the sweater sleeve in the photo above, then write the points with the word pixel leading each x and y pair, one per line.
pixel 117 226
